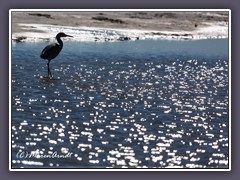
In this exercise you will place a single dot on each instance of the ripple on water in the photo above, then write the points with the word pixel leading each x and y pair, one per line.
pixel 118 113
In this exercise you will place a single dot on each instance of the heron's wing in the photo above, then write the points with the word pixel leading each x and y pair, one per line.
pixel 51 51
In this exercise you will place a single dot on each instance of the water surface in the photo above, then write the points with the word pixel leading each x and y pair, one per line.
pixel 135 104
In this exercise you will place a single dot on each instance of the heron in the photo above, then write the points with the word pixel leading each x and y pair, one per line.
pixel 52 50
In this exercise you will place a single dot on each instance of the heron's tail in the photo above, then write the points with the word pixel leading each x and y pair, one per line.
pixel 42 56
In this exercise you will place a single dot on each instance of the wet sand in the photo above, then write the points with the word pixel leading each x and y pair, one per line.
pixel 188 24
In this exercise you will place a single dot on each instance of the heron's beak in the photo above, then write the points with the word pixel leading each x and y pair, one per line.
pixel 68 35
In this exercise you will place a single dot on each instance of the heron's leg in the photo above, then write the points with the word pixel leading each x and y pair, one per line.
pixel 49 71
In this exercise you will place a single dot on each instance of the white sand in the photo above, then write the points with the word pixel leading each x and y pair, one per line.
pixel 35 26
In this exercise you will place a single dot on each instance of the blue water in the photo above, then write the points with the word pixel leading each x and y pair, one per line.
pixel 133 104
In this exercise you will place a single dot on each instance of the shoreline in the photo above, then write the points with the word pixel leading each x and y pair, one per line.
pixel 119 26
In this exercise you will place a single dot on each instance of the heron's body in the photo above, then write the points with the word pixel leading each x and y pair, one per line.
pixel 51 51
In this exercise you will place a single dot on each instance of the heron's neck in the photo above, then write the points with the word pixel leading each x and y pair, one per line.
pixel 60 41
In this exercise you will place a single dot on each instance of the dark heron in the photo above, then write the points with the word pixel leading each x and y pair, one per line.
pixel 52 50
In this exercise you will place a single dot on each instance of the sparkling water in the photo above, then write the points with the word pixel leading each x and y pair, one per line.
pixel 130 104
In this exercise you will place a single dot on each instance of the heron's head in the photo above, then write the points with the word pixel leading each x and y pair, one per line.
pixel 61 34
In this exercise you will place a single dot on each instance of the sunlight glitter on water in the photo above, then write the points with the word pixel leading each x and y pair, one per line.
pixel 123 113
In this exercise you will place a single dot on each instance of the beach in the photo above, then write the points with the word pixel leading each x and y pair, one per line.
pixel 115 25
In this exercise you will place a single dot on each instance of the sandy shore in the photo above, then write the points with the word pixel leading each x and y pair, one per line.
pixel 34 26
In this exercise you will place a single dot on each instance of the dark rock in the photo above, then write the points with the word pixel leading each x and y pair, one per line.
pixel 124 38
pixel 102 18
pixel 41 15
pixel 20 39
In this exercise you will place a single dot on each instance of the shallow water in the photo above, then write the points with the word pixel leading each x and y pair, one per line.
pixel 148 104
